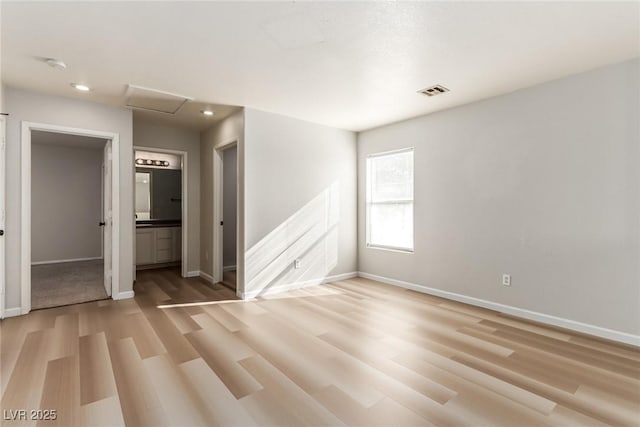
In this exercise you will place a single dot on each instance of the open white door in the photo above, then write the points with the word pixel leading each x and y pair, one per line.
pixel 2 214
pixel 107 221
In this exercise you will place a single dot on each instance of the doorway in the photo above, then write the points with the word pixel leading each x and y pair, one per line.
pixel 225 259
pixel 67 217
pixel 69 233
pixel 2 212
pixel 229 215
pixel 161 209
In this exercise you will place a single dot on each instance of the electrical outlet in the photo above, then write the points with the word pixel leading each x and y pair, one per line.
pixel 506 279
pixel 296 263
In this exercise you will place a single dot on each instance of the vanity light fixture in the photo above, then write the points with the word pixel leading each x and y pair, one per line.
pixel 81 87
pixel 149 162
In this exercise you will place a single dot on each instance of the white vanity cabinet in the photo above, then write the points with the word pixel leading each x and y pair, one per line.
pixel 158 245
pixel 145 243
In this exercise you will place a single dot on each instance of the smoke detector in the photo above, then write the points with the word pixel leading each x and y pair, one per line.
pixel 55 63
pixel 434 90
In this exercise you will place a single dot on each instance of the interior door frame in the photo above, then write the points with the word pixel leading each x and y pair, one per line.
pixel 218 210
pixel 3 177
pixel 185 202
pixel 25 195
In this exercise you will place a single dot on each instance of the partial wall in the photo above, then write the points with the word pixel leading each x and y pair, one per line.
pixel 300 203
pixel 66 203
pixel 542 184
pixel 171 138
pixel 229 129
pixel 33 107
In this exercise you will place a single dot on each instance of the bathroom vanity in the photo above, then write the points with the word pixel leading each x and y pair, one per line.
pixel 158 243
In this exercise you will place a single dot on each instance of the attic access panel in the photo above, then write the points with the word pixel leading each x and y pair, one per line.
pixel 155 100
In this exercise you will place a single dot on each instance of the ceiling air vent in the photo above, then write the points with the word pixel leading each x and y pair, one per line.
pixel 434 90
pixel 155 100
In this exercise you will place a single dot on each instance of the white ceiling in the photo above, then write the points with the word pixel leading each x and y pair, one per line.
pixel 65 140
pixel 344 64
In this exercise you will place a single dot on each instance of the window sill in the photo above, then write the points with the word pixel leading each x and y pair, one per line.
pixel 390 249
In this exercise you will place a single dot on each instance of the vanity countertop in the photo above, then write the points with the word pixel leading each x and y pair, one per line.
pixel 157 223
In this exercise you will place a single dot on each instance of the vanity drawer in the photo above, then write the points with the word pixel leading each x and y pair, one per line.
pixel 164 233
pixel 163 255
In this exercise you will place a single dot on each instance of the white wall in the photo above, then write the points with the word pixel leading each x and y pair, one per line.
pixel 66 202
pixel 155 136
pixel 543 184
pixel 227 130
pixel 29 106
pixel 300 201
pixel 230 193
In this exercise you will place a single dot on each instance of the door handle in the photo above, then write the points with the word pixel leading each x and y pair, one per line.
pixel 102 224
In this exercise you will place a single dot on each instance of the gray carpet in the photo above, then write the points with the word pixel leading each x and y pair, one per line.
pixel 66 283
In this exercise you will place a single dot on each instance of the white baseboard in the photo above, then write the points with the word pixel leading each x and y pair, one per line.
pixel 193 273
pixel 124 295
pixel 158 265
pixel 297 285
pixel 548 319
pixel 12 312
pixel 60 261
pixel 229 268
pixel 207 277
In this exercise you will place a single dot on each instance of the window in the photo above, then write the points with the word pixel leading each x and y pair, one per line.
pixel 390 200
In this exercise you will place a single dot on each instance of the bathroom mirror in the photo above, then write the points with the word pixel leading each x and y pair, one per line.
pixel 158 194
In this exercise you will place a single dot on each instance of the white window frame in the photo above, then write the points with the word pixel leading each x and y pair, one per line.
pixel 368 203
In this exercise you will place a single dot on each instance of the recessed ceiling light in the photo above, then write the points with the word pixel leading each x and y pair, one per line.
pixel 207 112
pixel 81 87
pixel 56 63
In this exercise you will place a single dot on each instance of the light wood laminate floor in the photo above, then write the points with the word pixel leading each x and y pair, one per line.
pixel 229 279
pixel 355 352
